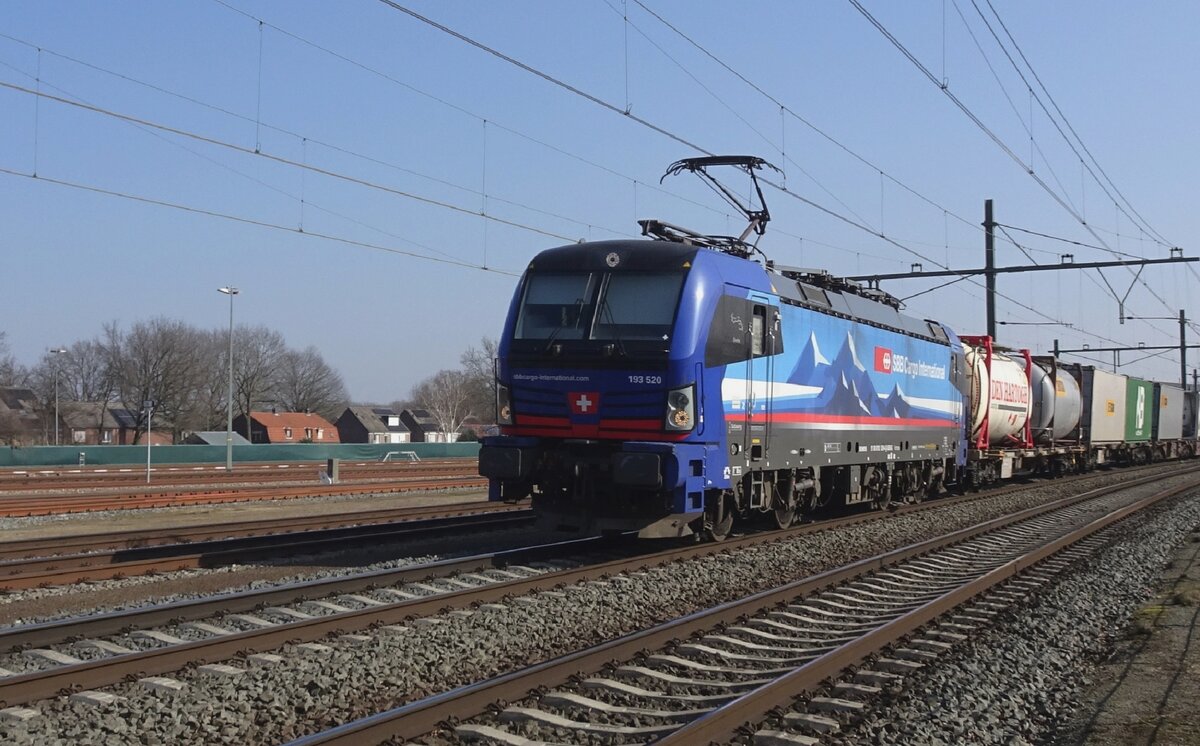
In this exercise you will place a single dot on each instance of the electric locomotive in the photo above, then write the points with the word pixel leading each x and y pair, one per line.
pixel 670 385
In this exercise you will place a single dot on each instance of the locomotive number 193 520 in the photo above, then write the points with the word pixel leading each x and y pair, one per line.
pixel 648 380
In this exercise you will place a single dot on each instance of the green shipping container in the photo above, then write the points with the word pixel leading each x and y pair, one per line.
pixel 1139 409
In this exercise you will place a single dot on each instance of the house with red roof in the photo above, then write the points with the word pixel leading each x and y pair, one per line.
pixel 287 427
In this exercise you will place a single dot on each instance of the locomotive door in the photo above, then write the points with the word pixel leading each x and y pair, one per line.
pixel 759 381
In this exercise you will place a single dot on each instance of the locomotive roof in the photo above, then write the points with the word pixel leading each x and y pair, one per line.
pixel 641 255
pixel 631 255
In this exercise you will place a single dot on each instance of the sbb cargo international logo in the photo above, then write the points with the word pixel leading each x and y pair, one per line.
pixel 883 360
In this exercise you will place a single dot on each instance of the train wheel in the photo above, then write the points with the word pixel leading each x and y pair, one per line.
pixel 784 517
pixel 718 518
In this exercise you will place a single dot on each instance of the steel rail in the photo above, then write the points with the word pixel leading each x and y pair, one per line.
pixel 63 569
pixel 27 687
pixel 417 719
pixel 138 538
pixel 244 468
pixel 126 483
pixel 724 723
pixel 24 506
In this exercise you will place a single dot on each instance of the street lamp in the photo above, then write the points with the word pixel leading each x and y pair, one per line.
pixel 230 291
pixel 149 406
pixel 56 351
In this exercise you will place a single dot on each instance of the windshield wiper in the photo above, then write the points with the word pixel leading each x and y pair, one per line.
pixel 554 335
pixel 606 315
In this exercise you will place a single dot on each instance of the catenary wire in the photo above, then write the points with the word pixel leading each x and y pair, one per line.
pixel 251 178
pixel 249 221
pixel 821 132
pixel 1028 127
pixel 784 190
pixel 771 143
pixel 279 159
pixel 464 111
pixel 991 134
pixel 1067 122
pixel 470 212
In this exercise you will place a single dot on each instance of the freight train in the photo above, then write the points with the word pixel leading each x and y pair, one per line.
pixel 675 385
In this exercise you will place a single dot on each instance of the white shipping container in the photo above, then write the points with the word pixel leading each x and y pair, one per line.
pixel 1104 394
pixel 1168 411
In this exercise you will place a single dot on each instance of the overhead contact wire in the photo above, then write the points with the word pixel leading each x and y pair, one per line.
pixel 279 159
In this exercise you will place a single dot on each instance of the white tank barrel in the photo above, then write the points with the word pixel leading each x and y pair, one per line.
pixel 1056 404
pixel 1003 395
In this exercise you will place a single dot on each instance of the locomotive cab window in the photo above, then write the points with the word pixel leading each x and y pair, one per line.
pixel 637 306
pixel 556 305
pixel 608 307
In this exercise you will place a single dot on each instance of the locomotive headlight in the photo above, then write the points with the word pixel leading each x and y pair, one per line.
pixel 503 405
pixel 680 408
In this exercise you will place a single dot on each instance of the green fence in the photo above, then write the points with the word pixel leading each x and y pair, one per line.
pixel 188 454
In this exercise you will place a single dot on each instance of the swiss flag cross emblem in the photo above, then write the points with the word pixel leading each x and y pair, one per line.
pixel 583 402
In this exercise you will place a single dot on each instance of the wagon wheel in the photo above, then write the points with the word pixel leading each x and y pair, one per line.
pixel 786 505
pixel 718 518
pixel 785 516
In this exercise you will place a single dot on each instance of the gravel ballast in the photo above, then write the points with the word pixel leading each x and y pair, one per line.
pixel 309 690
pixel 1021 681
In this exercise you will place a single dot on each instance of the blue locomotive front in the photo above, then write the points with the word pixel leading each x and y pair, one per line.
pixel 608 414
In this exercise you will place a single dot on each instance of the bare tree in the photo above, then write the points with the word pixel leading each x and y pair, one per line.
pixel 11 372
pixel 156 361
pixel 80 374
pixel 478 365
pixel 445 395
pixel 209 399
pixel 306 383
pixel 11 427
pixel 257 352
pixel 84 374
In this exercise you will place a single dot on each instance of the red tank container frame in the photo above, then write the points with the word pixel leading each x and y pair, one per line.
pixel 985 343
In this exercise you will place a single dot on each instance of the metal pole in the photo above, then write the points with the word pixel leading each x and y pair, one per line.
pixel 55 405
pixel 149 423
pixel 989 248
pixel 229 412
pixel 230 291
pixel 1182 349
pixel 57 368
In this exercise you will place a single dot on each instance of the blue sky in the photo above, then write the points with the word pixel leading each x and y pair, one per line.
pixel 438 119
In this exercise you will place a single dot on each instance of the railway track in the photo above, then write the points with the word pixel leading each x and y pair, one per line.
pixel 769 665
pixel 36 480
pixel 123 554
pixel 363 601
pixel 32 505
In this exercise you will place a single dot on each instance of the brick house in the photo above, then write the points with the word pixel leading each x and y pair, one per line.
pixel 287 427
pixel 21 421
pixel 96 423
pixel 371 425
pixel 424 427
